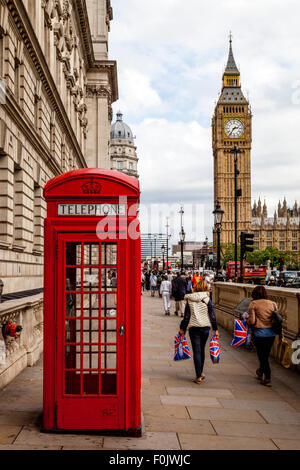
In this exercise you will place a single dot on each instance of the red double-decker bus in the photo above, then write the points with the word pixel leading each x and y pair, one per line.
pixel 250 272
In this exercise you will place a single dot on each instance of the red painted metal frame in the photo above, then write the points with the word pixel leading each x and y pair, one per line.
pixel 66 189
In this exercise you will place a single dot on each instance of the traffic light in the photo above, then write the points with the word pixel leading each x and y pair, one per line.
pixel 281 264
pixel 247 243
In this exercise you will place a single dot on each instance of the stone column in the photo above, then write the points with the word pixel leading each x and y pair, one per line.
pixel 99 119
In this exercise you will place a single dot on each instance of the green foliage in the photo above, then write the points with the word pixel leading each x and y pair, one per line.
pixel 227 252
pixel 261 257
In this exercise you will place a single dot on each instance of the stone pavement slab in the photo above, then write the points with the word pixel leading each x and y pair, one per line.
pixel 189 401
pixel 228 428
pixel 248 416
pixel 27 447
pixel 32 436
pixel 151 441
pixel 196 426
pixel 9 433
pixel 287 444
pixel 255 404
pixel 281 417
pixel 202 442
pixel 166 411
pixel 201 391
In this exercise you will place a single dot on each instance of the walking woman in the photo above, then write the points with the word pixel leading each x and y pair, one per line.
pixel 260 320
pixel 165 291
pixel 199 317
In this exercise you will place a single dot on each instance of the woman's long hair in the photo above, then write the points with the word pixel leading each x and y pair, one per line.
pixel 259 292
pixel 201 286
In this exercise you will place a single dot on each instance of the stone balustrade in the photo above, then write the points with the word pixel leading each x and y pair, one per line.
pixel 25 350
pixel 226 296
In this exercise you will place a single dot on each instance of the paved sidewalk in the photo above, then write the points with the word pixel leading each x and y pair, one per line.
pixel 230 410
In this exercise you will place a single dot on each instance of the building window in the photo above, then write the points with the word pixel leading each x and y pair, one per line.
pixel 294 234
pixel 37 220
pixel 256 234
pixel 1 56
pixel 269 243
pixel 130 166
pixel 281 234
pixel 120 165
pixel 294 246
pixel 269 234
pixel 16 204
pixel 281 246
pixel 17 80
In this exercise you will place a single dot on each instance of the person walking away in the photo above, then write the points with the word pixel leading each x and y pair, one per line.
pixel 196 278
pixel 260 320
pixel 143 279
pixel 179 287
pixel 189 285
pixel 153 283
pixel 147 281
pixel 166 291
pixel 199 317
pixel 159 281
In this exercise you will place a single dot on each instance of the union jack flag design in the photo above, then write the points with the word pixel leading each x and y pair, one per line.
pixel 214 350
pixel 241 332
pixel 181 348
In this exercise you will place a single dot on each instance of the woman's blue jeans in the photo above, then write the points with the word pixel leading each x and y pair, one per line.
pixel 198 338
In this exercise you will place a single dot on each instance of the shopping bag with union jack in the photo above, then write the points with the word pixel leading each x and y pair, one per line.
pixel 181 348
pixel 214 350
pixel 241 333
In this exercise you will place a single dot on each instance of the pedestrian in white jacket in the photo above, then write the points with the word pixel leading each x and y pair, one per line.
pixel 166 291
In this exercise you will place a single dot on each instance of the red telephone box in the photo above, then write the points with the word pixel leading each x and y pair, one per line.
pixel 92 296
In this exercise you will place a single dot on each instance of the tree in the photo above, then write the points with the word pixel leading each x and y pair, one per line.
pixel 227 252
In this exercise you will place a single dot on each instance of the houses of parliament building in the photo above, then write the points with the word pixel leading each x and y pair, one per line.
pixel 232 125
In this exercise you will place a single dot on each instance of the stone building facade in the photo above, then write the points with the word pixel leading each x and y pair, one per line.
pixel 55 117
pixel 232 125
pixel 281 231
pixel 122 149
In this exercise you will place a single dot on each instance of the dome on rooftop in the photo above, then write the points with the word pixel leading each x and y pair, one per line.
pixel 120 130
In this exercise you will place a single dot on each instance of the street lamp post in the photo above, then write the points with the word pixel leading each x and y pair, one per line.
pixel 237 193
pixel 163 248
pixel 167 227
pixel 218 215
pixel 182 238
pixel 206 252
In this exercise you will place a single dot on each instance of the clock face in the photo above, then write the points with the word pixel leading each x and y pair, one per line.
pixel 234 128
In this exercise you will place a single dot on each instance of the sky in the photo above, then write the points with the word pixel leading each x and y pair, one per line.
pixel 171 55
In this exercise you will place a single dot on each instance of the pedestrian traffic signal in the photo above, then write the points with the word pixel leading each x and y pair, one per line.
pixel 247 243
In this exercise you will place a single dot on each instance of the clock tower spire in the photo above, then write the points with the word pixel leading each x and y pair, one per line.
pixel 231 125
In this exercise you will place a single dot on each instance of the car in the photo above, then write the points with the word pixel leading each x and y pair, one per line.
pixel 285 277
pixel 293 283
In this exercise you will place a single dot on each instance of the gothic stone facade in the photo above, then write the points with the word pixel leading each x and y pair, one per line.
pixel 56 116
pixel 232 125
pixel 281 231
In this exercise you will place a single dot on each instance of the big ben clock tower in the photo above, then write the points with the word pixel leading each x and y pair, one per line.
pixel 231 125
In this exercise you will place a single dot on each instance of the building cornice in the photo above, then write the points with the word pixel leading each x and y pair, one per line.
pixel 109 67
pixel 84 31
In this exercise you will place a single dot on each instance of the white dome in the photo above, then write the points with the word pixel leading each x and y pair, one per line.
pixel 120 130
